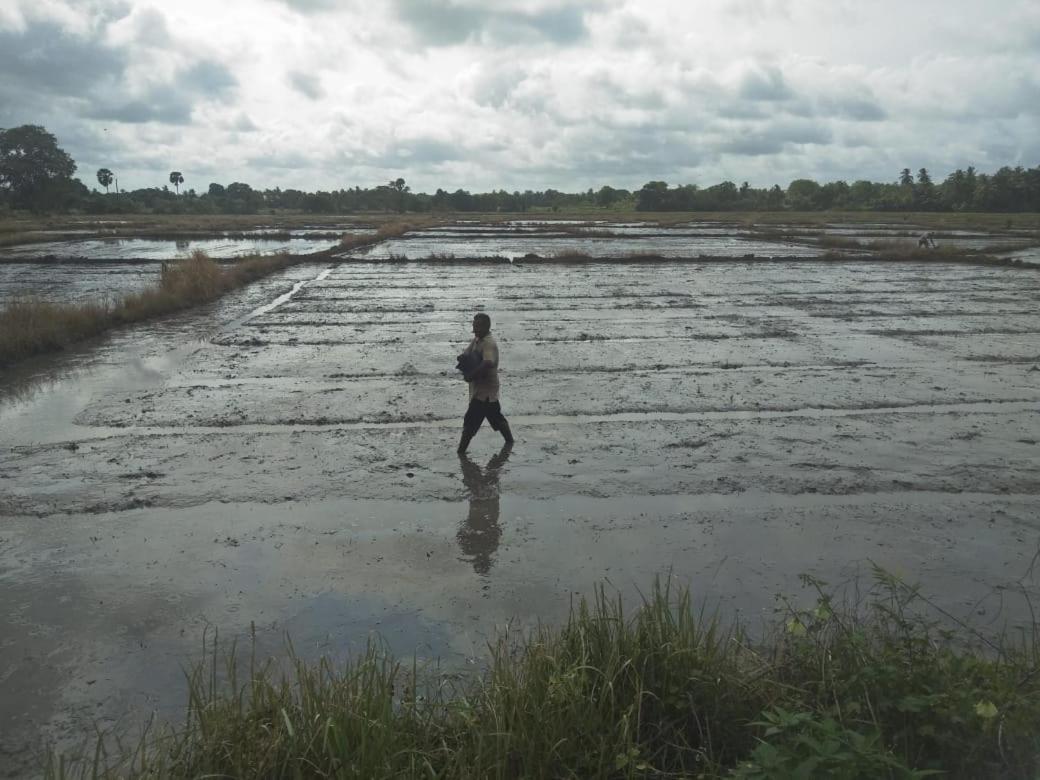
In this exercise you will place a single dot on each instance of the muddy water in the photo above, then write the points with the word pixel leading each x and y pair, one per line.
pixel 606 239
pixel 99 269
pixel 75 282
pixel 516 246
pixel 155 249
pixel 285 458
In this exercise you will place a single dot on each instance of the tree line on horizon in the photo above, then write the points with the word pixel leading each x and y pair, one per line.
pixel 37 175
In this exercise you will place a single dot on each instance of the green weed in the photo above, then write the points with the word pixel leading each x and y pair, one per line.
pixel 867 690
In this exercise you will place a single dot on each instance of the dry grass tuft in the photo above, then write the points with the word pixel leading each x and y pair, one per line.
pixel 30 326
pixel 385 231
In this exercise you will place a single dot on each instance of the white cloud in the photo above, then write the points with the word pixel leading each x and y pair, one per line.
pixel 524 93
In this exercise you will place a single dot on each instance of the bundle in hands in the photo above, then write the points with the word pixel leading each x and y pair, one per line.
pixel 468 362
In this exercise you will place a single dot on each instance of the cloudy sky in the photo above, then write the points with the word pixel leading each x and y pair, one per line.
pixel 524 94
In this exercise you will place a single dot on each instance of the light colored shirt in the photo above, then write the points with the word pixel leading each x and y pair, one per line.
pixel 485 388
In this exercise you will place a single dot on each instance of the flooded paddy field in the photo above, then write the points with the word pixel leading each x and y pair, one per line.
pixel 80 261
pixel 285 459
pixel 94 269
pixel 76 282
pixel 517 238
pixel 114 249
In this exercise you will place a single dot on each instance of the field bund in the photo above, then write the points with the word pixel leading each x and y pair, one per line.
pixel 285 459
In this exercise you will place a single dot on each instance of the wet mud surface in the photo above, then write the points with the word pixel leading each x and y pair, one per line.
pixel 75 282
pixel 79 271
pixel 95 249
pixel 285 458
pixel 516 246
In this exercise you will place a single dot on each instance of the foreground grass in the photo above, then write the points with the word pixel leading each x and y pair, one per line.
pixel 869 690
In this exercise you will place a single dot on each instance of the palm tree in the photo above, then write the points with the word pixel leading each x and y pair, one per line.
pixel 177 179
pixel 104 177
pixel 398 186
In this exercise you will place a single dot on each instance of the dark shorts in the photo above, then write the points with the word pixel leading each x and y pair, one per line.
pixel 476 413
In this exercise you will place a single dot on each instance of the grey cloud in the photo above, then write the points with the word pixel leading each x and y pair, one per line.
pixel 446 23
pixel 306 84
pixel 620 95
pixel 765 84
pixel 634 154
pixel 312 6
pixel 562 26
pixel 758 10
pixel 420 151
pixel 775 137
pixel 1032 40
pixel 170 107
pixel 632 32
pixel 109 11
pixel 88 144
pixel 1026 96
pixel 494 89
pixel 170 103
pixel 152 29
pixel 862 108
pixel 439 23
pixel 753 145
pixel 207 77
pixel 46 58
pixel 742 110
pixel 289 160
pixel 413 155
pixel 1000 150
pixel 243 123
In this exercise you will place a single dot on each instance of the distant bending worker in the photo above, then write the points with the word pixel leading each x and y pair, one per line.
pixel 479 363
pixel 927 240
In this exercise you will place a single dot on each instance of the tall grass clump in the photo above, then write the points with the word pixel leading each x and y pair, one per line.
pixel 196 279
pixel 384 232
pixel 30 326
pixel 867 690
pixel 664 691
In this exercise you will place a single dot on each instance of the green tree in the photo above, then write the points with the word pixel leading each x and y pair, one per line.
pixel 399 189
pixel 177 179
pixel 34 170
pixel 607 196
pixel 803 195
pixel 104 177
pixel 924 192
pixel 242 199
pixel 863 194
pixel 652 197
pixel 906 179
pixel 833 195
pixel 958 191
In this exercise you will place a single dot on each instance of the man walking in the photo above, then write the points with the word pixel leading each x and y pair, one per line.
pixel 483 385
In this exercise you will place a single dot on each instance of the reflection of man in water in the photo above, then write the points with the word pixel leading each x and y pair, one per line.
pixel 483 385
pixel 480 532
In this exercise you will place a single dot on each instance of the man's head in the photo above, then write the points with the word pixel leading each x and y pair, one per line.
pixel 481 325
